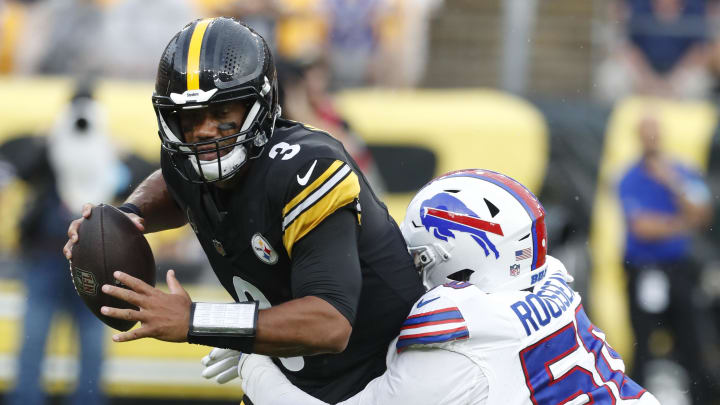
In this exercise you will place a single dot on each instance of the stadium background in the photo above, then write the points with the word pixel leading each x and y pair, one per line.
pixel 505 86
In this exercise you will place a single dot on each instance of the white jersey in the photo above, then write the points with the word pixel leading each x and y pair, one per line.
pixel 462 346
pixel 533 348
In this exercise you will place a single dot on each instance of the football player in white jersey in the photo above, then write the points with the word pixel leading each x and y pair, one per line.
pixel 499 325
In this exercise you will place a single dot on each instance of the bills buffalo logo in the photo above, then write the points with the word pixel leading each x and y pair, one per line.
pixel 263 250
pixel 447 214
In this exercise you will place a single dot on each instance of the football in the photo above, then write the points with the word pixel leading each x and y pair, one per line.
pixel 109 241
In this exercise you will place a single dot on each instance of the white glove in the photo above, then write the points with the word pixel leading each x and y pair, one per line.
pixel 222 363
pixel 253 362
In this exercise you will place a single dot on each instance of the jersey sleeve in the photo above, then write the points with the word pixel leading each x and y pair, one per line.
pixel 434 319
pixel 265 384
pixel 327 264
pixel 320 187
pixel 438 377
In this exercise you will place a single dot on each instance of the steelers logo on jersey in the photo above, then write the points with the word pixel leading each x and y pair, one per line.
pixel 263 250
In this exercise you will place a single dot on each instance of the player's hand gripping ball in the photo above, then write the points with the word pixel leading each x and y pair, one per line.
pixel 109 241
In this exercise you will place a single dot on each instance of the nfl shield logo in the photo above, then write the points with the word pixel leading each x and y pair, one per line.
pixel 84 281
pixel 515 270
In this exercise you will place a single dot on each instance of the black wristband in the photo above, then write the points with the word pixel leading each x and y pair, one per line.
pixel 243 344
pixel 130 208
pixel 228 326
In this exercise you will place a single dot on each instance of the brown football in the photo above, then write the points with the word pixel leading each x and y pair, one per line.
pixel 109 241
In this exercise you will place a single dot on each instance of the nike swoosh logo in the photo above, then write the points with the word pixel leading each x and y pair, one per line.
pixel 422 303
pixel 304 179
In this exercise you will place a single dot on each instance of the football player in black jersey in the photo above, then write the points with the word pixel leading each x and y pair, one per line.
pixel 318 269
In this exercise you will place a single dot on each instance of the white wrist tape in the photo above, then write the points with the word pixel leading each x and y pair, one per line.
pixel 237 319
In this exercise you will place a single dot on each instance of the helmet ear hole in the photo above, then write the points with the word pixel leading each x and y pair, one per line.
pixel 462 275
pixel 492 208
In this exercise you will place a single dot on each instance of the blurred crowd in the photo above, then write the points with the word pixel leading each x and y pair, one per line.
pixel 363 42
pixel 665 48
pixel 660 48
pixel 320 47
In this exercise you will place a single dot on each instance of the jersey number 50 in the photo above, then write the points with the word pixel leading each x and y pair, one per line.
pixel 560 371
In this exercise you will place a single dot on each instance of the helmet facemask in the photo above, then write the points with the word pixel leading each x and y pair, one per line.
pixel 208 63
pixel 231 151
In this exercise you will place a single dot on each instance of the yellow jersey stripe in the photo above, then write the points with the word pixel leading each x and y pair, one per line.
pixel 342 194
pixel 193 62
pixel 316 195
pixel 312 187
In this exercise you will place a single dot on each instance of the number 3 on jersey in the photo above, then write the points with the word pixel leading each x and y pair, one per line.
pixel 576 366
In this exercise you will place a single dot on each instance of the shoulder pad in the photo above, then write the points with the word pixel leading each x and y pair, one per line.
pixel 435 318
pixel 294 145
pixel 319 189
pixel 310 177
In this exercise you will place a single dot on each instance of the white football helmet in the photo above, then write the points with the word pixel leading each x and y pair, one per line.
pixel 477 226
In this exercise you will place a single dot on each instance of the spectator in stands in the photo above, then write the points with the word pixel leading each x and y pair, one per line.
pixel 260 15
pixel 59 37
pixel 133 35
pixel 403 42
pixel 665 51
pixel 353 28
pixel 664 203
pixel 301 28
pixel 304 97
pixel 76 161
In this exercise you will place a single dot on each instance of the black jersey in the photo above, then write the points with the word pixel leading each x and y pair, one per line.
pixel 291 194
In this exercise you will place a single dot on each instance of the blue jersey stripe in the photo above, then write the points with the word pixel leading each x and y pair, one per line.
pixel 442 316
pixel 445 337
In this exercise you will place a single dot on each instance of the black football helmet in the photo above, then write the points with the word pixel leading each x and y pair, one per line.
pixel 215 60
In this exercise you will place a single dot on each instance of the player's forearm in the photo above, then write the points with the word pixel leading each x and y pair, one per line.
pixel 434 376
pixel 696 215
pixel 158 209
pixel 265 384
pixel 301 327
pixel 651 227
pixel 698 55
